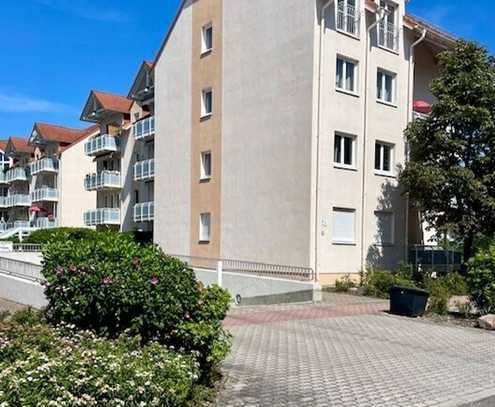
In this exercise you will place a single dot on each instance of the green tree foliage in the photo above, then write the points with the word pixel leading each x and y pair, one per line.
pixel 451 172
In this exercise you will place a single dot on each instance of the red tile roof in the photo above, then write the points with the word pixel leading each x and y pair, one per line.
pixel 84 134
pixel 21 145
pixel 114 103
pixel 60 134
pixel 3 144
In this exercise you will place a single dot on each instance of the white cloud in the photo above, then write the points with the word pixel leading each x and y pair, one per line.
pixel 10 103
pixel 84 9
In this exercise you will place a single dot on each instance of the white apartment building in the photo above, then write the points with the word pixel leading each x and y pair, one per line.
pixel 279 131
pixel 42 189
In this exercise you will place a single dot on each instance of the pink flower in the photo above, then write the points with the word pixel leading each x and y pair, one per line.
pixel 73 269
pixel 154 281
pixel 107 280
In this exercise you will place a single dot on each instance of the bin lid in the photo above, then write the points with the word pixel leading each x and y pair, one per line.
pixel 413 290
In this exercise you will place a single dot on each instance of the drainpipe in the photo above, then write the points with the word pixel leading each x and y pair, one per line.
pixel 410 96
pixel 381 16
pixel 324 8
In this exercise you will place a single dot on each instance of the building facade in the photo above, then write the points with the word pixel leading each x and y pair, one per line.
pixel 280 130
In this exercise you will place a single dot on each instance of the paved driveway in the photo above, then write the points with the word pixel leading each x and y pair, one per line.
pixel 347 352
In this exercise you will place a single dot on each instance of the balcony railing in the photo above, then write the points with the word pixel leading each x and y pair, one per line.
pixel 144 212
pixel 47 164
pixel 3 202
pixel 3 177
pixel 16 174
pixel 144 170
pixel 388 36
pixel 103 180
pixel 44 194
pixel 18 224
pixel 45 223
pixel 348 18
pixel 101 145
pixel 144 128
pixel 18 200
pixel 102 216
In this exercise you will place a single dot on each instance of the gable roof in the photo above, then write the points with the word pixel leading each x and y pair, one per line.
pixel 144 74
pixel 19 145
pixel 3 144
pixel 55 133
pixel 106 102
pixel 84 134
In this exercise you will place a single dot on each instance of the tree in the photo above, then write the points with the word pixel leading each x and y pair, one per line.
pixel 451 172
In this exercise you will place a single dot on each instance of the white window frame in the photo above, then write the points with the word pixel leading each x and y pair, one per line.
pixel 381 171
pixel 391 9
pixel 340 163
pixel 342 7
pixel 378 238
pixel 204 111
pixel 205 47
pixel 383 87
pixel 346 62
pixel 205 227
pixel 340 241
pixel 205 171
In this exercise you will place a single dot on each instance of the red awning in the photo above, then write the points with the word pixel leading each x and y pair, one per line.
pixel 421 106
pixel 34 209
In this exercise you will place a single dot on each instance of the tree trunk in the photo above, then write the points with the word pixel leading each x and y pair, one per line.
pixel 468 251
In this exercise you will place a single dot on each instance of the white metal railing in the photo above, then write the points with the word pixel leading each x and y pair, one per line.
pixel 3 202
pixel 101 144
pixel 16 174
pixel 18 224
pixel 18 200
pixel 249 267
pixel 388 35
pixel 44 194
pixel 3 177
pixel 27 248
pixel 21 269
pixel 144 170
pixel 45 223
pixel 144 212
pixel 102 180
pixel 102 216
pixel 144 128
pixel 47 164
pixel 348 18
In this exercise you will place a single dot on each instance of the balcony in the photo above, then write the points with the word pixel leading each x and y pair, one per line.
pixel 348 19
pixel 45 223
pixel 16 174
pixel 144 128
pixel 144 170
pixel 102 216
pixel 103 180
pixel 144 212
pixel 3 178
pixel 18 200
pixel 47 164
pixel 44 195
pixel 3 202
pixel 103 144
pixel 388 36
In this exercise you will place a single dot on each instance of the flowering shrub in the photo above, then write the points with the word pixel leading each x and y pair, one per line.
pixel 43 236
pixel 46 366
pixel 112 285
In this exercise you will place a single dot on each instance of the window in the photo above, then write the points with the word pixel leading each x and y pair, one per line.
pixel 207 103
pixel 346 75
pixel 344 154
pixel 383 158
pixel 388 34
pixel 384 228
pixel 385 86
pixel 206 38
pixel 344 226
pixel 348 17
pixel 204 227
pixel 205 165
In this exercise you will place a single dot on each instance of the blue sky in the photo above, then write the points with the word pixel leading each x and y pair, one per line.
pixel 55 51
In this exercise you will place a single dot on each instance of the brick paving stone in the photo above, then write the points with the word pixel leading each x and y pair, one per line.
pixel 347 353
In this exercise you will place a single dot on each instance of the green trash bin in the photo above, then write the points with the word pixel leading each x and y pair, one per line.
pixel 408 301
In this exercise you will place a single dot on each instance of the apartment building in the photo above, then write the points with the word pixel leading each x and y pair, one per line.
pixel 279 130
pixel 5 164
pixel 43 181
pixel 124 155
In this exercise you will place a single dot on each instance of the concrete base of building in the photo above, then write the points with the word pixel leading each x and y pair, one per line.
pixel 327 279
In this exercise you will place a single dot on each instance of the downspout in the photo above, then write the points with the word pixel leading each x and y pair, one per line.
pixel 381 16
pixel 320 65
pixel 410 117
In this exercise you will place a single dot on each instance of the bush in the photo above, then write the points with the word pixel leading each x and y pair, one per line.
pixel 481 279
pixel 43 366
pixel 377 283
pixel 343 285
pixel 112 285
pixel 442 289
pixel 44 236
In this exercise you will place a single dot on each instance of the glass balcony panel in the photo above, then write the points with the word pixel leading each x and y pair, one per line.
pixel 16 174
pixel 144 170
pixel 47 164
pixel 101 144
pixel 44 194
pixel 144 128
pixel 144 212
pixel 103 180
pixel 102 216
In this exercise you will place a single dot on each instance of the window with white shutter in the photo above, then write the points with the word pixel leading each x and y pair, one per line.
pixel 344 226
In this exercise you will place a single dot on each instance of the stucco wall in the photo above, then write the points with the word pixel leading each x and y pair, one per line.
pixel 266 133
pixel 74 200
pixel 173 139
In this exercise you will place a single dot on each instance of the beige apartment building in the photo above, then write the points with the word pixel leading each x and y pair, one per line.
pixel 279 131
pixel 42 184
